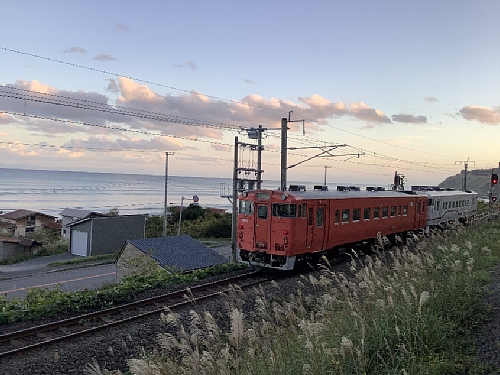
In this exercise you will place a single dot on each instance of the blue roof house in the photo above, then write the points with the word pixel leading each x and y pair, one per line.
pixel 183 253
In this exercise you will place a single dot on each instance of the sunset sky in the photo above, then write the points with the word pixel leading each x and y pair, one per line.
pixel 110 86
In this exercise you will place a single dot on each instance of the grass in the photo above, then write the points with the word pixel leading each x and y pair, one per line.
pixel 110 257
pixel 408 311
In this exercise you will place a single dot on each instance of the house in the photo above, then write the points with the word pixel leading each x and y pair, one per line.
pixel 104 234
pixel 21 223
pixel 177 252
pixel 70 215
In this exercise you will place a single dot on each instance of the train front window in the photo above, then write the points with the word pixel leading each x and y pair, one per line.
pixel 284 210
pixel 246 207
pixel 262 212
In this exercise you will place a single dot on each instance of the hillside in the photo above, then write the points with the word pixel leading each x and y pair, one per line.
pixel 478 180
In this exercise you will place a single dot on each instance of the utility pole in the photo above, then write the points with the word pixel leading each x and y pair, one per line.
pixel 466 165
pixel 324 181
pixel 165 206
pixel 284 146
pixel 234 217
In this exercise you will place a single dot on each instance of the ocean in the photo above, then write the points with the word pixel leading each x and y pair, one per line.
pixel 50 192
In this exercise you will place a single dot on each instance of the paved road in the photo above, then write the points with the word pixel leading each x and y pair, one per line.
pixel 70 280
pixel 15 279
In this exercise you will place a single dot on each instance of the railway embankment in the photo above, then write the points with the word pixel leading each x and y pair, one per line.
pixel 423 309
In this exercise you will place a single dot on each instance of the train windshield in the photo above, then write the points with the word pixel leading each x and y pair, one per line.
pixel 246 207
pixel 284 210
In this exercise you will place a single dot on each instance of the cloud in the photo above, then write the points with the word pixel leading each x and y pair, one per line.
pixel 75 50
pixel 431 99
pixel 191 65
pixel 112 86
pixel 122 27
pixel 218 147
pixel 481 114
pixel 104 57
pixel 6 119
pixel 409 118
pixel 249 81
pixel 371 115
pixel 133 143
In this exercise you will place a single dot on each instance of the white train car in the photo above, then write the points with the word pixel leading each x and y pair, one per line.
pixel 446 206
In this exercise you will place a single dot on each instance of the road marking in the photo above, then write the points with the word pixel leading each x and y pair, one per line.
pixel 59 282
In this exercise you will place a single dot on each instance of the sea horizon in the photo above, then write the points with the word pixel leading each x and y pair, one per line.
pixel 51 191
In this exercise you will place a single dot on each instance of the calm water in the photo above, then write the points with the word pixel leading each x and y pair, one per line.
pixel 52 191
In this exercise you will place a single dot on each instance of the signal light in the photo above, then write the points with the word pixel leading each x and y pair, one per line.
pixel 285 232
pixel 493 199
pixel 494 179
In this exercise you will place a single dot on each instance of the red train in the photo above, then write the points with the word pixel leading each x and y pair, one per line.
pixel 280 228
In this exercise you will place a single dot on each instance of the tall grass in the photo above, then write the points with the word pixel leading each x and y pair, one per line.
pixel 410 310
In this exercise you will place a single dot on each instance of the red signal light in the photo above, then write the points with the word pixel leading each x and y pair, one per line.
pixel 494 179
pixel 493 199
pixel 285 232
pixel 240 226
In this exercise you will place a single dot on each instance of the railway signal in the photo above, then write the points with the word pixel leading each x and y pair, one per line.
pixel 494 199
pixel 494 179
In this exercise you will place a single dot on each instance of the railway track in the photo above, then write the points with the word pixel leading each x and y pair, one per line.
pixel 36 337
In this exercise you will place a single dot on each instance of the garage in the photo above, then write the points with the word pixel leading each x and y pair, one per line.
pixel 79 243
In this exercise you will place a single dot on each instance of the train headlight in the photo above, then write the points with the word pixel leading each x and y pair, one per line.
pixel 285 232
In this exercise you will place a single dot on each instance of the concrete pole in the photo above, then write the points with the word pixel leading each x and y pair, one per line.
pixel 180 217
pixel 284 146
pixel 234 216
pixel 165 206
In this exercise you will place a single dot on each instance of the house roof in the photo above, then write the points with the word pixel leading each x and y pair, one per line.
pixel 52 225
pixel 80 214
pixel 20 214
pixel 28 242
pixel 181 252
pixel 13 240
pixel 5 225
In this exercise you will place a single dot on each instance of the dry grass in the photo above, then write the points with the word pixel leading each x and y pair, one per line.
pixel 405 311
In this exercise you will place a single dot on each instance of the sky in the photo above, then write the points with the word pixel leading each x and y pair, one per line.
pixel 397 86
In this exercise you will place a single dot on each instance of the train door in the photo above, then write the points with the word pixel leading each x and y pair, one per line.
pixel 310 226
pixel 262 226
pixel 319 227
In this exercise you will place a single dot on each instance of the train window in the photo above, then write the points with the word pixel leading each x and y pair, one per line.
pixel 345 216
pixel 356 214
pixel 262 212
pixel 337 216
pixel 246 207
pixel 418 207
pixel 376 213
pixel 320 216
pixel 445 205
pixel 310 216
pixel 367 214
pixel 284 210
pixel 393 211
pixel 385 211
pixel 429 202
pixel 302 210
pixel 405 210
pixel 399 210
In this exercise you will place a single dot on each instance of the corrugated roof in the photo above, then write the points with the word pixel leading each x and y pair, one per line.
pixel 80 214
pixel 182 252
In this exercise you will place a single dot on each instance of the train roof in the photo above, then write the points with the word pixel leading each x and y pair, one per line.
pixel 446 193
pixel 315 194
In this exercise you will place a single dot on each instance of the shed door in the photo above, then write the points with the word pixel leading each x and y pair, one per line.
pixel 79 243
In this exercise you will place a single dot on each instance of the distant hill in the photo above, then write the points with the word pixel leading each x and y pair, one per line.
pixel 478 180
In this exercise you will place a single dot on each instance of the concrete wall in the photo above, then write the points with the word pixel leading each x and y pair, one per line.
pixel 131 261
